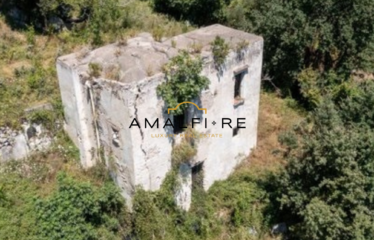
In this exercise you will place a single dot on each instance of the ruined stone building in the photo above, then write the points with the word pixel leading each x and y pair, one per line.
pixel 103 90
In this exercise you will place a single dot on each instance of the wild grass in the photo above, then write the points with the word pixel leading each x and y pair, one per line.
pixel 275 117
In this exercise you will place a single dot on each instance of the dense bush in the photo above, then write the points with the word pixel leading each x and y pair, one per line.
pixel 81 211
pixel 229 207
pixel 327 185
pixel 72 208
pixel 75 210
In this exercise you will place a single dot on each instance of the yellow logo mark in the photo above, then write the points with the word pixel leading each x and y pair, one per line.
pixel 202 109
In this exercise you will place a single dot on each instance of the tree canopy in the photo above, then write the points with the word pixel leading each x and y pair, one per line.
pixel 327 185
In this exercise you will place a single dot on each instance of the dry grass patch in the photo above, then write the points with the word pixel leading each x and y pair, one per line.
pixel 276 115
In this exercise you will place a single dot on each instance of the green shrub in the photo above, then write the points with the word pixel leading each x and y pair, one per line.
pixel 149 221
pixel 30 37
pixel 186 150
pixel 157 33
pixel 240 46
pixel 45 117
pixel 243 200
pixel 37 79
pixel 80 211
pixel 17 211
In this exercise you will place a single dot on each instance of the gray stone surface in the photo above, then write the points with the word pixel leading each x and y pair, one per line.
pixel 19 144
pixel 20 148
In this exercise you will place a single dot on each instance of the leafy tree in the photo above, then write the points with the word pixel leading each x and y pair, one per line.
pixel 327 186
pixel 183 81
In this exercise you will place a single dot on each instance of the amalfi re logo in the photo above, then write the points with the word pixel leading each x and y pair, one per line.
pixel 201 109
pixel 180 123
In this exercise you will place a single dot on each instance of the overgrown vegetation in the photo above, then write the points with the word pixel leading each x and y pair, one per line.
pixel 76 210
pixel 184 152
pixel 319 181
pixel 183 81
pixel 49 196
pixel 95 70
pixel 225 212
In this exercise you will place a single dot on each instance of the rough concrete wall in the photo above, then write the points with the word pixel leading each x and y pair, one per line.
pixel 221 156
pixel 134 155
pixel 71 124
pixel 113 121
pixel 78 114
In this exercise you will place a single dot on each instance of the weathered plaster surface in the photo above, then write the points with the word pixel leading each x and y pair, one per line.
pixel 79 122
